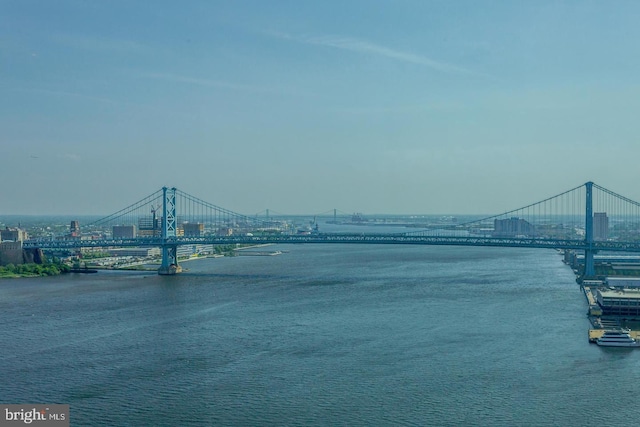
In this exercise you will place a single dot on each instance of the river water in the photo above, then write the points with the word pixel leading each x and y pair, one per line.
pixel 352 335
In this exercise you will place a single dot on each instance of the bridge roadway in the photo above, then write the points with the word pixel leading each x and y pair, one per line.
pixel 338 238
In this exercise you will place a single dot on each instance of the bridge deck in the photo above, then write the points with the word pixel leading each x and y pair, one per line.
pixel 354 238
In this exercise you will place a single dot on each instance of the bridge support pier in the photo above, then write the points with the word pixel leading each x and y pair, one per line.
pixel 589 266
pixel 169 264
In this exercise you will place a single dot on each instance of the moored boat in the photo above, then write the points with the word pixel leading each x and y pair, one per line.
pixel 617 339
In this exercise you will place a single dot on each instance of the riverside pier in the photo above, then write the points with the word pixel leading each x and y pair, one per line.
pixel 614 303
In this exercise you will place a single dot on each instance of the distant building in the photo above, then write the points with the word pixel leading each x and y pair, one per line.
pixel 224 231
pixel 600 226
pixel 74 228
pixel 149 226
pixel 512 227
pixel 124 231
pixel 193 229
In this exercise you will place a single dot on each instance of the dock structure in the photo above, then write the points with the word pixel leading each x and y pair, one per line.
pixel 594 308
pixel 612 309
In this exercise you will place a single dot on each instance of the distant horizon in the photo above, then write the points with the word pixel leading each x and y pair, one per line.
pixel 328 216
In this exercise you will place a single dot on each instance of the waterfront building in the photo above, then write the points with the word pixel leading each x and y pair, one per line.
pixel 617 262
pixel 11 253
pixel 619 302
pixel 623 282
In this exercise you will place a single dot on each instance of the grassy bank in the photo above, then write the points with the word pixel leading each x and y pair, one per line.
pixel 32 270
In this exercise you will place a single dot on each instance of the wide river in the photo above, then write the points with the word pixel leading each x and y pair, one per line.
pixel 321 335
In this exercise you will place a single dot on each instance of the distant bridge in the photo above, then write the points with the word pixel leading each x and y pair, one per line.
pixel 586 218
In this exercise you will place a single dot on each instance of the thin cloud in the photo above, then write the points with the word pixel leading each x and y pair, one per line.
pixel 365 47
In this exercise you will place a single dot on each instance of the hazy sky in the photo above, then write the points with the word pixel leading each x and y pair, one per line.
pixel 305 106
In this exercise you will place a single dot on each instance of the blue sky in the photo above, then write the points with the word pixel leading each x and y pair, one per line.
pixel 301 107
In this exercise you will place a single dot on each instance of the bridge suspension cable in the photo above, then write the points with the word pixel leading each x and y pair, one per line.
pixel 558 217
pixel 153 198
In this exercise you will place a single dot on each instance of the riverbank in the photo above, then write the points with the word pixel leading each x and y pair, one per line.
pixel 12 271
pixel 40 270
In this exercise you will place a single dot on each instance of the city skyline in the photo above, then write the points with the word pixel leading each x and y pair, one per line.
pixel 394 108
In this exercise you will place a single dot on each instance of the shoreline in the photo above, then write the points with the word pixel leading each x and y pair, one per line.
pixel 155 265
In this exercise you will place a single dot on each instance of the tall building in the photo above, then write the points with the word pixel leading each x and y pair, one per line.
pixel 600 226
pixel 74 228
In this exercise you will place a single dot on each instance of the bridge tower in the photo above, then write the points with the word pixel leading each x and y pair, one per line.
pixel 589 252
pixel 169 264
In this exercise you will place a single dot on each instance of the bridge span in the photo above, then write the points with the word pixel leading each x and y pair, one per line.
pixel 586 218
pixel 342 238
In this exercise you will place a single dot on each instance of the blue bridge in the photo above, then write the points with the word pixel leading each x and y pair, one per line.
pixel 587 218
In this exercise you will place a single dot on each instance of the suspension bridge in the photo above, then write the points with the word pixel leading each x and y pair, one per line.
pixel 586 218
